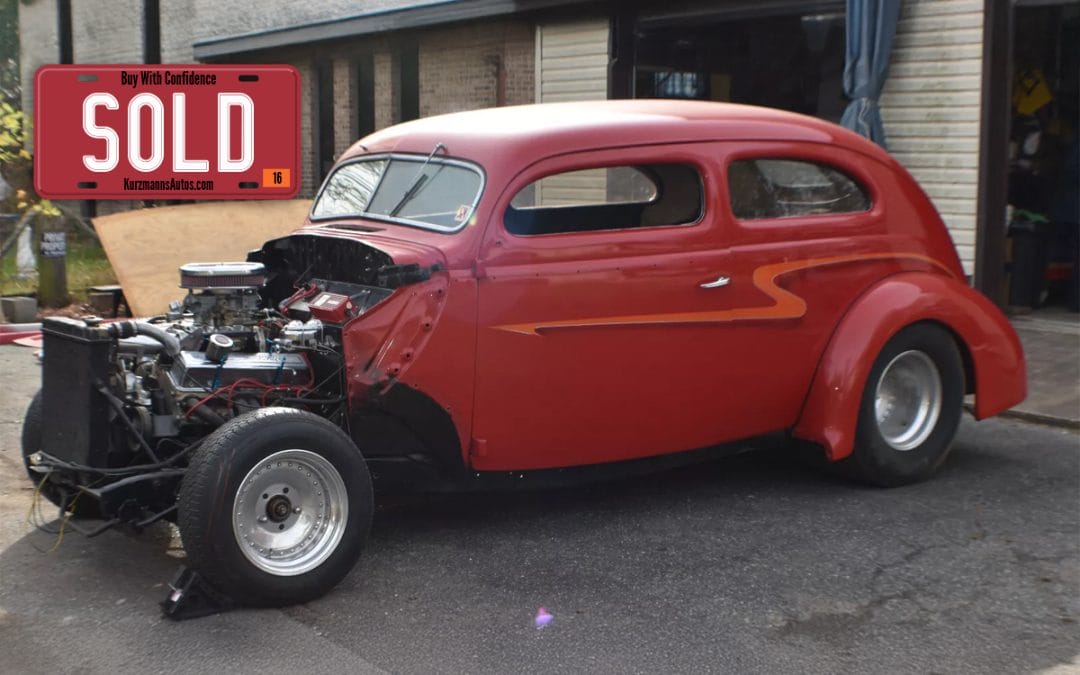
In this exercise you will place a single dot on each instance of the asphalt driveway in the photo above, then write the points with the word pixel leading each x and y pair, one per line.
pixel 753 563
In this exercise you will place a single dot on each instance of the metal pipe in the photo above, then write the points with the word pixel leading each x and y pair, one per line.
pixel 129 328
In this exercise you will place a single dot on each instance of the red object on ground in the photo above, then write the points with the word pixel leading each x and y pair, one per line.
pixel 33 341
pixel 8 337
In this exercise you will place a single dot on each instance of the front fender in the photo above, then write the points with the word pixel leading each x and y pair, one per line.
pixel 985 338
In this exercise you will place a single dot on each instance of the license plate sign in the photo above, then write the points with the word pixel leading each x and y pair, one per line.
pixel 167 132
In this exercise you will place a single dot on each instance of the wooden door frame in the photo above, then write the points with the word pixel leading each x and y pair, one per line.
pixel 993 173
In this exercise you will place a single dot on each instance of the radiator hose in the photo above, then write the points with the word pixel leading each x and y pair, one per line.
pixel 126 329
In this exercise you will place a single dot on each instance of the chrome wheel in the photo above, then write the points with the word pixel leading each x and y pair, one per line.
pixel 907 400
pixel 290 512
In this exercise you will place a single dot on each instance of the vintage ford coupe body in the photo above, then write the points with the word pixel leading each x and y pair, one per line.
pixel 505 295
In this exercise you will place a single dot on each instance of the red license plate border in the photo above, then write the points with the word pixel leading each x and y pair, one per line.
pixel 60 139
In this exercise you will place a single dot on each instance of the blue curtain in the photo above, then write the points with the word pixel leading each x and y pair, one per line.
pixel 871 26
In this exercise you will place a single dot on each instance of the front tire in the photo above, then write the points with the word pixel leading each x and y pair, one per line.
pixel 76 505
pixel 31 440
pixel 910 408
pixel 275 507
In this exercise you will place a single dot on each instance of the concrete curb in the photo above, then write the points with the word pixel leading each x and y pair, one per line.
pixel 1037 418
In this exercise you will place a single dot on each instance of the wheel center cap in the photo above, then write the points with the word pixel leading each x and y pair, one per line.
pixel 278 508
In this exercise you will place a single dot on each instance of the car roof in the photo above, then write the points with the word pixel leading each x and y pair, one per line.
pixel 491 135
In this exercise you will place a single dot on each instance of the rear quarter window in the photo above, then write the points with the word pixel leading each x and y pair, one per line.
pixel 781 188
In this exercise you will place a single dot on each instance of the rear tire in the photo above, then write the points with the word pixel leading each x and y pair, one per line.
pixel 910 408
pixel 275 507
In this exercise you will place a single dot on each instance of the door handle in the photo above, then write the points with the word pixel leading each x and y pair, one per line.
pixel 720 281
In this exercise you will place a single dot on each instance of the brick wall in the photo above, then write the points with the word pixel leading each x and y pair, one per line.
pixel 519 45
pixel 386 88
pixel 344 105
pixel 459 65
pixel 457 72
pixel 308 175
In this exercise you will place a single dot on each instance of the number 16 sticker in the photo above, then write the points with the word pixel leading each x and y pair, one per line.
pixel 275 178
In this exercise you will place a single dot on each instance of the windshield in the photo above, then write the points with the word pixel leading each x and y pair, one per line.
pixel 435 193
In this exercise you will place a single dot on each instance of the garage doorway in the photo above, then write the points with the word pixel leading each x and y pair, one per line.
pixel 1042 242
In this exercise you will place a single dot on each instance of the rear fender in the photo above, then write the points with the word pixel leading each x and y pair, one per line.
pixel 985 338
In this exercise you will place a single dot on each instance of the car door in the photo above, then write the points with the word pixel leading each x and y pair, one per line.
pixel 595 338
pixel 808 234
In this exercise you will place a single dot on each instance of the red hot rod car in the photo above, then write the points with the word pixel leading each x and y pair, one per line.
pixel 517 292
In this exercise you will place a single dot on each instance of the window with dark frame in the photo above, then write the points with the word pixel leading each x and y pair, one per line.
pixel 409 83
pixel 792 59
pixel 780 188
pixel 607 198
pixel 365 95
pixel 324 118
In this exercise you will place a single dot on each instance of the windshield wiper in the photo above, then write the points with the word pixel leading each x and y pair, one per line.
pixel 417 182
pixel 409 194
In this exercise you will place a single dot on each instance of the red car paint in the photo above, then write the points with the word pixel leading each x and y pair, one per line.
pixel 590 347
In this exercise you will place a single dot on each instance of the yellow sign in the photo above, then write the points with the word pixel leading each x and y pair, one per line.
pixel 1030 91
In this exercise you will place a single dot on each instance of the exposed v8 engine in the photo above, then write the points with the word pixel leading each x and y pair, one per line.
pixel 127 403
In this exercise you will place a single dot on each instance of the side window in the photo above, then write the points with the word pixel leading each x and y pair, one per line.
pixel 776 188
pixel 614 198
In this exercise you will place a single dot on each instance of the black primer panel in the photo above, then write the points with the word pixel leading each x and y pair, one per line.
pixel 75 416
